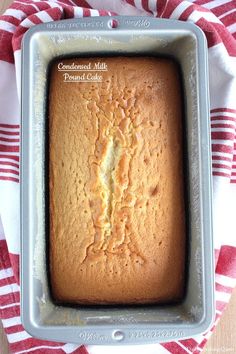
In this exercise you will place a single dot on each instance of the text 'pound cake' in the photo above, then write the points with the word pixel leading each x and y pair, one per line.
pixel 117 215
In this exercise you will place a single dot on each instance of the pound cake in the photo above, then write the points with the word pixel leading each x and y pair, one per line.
pixel 117 215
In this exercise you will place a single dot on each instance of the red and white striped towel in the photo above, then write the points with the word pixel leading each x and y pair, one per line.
pixel 217 18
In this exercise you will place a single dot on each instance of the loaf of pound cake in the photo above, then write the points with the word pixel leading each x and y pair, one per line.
pixel 117 215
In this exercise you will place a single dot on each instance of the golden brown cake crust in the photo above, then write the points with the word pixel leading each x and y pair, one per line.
pixel 117 220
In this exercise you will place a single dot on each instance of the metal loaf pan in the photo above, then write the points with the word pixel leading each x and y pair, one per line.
pixel 115 325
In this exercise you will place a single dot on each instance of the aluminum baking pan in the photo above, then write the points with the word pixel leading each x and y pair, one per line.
pixel 115 325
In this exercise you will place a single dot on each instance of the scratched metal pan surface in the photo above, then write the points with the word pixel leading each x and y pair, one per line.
pixel 115 325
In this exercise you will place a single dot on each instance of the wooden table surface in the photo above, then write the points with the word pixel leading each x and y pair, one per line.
pixel 223 339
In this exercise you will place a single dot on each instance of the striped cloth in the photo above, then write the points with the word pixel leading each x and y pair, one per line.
pixel 217 18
